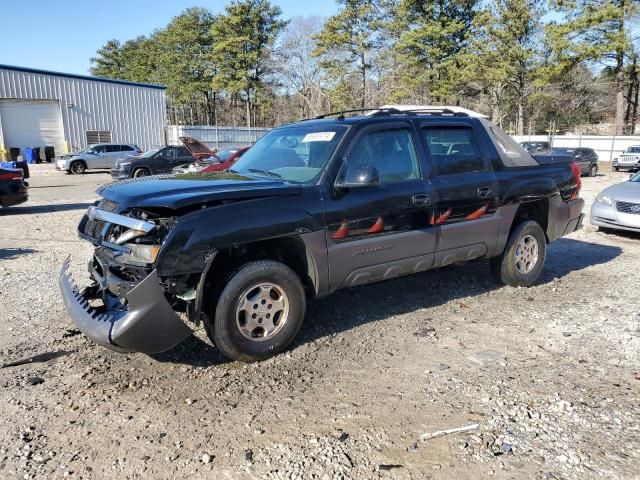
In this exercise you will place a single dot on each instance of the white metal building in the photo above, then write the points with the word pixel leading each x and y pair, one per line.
pixel 40 108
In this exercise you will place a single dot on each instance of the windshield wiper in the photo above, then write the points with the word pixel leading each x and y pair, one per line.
pixel 268 173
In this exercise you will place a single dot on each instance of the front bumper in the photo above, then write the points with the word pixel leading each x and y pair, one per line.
pixel 119 174
pixel 608 217
pixel 625 165
pixel 146 324
pixel 62 165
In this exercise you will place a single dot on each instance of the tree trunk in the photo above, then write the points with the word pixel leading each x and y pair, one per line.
pixel 520 119
pixel 364 79
pixel 619 78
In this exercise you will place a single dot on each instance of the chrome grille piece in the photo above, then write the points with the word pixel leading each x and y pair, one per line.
pixel 627 207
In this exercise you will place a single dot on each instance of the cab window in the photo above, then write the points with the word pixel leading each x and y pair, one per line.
pixel 453 150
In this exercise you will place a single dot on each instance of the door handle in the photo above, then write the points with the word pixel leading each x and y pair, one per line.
pixel 485 192
pixel 421 200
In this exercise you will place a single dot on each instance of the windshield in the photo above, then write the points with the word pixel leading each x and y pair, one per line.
pixel 296 154
pixel 151 152
pixel 633 150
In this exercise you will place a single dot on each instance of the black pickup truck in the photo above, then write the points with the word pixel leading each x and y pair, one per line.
pixel 314 206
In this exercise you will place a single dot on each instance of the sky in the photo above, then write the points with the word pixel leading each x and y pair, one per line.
pixel 62 35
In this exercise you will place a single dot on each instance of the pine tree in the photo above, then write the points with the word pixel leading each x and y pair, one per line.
pixel 595 31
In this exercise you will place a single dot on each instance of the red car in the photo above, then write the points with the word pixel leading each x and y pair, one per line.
pixel 225 158
pixel 198 149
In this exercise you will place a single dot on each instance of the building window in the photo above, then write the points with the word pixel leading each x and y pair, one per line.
pixel 98 136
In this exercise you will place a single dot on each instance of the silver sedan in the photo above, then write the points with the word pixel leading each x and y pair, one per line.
pixel 618 206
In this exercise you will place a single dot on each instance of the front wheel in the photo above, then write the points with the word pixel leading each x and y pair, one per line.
pixel 593 171
pixel 259 311
pixel 617 169
pixel 522 261
pixel 77 168
pixel 141 172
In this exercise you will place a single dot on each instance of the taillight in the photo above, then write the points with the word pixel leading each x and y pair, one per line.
pixel 11 176
pixel 575 169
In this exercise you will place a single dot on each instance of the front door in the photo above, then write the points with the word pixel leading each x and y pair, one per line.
pixel 466 192
pixel 380 231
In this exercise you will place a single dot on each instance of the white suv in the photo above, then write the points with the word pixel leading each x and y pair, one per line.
pixel 630 159
pixel 102 156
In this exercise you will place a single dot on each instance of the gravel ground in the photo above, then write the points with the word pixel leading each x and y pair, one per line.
pixel 549 373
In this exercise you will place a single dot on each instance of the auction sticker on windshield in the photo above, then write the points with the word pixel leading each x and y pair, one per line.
pixel 318 137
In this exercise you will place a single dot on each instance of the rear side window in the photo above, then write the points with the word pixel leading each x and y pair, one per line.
pixel 453 150
pixel 126 148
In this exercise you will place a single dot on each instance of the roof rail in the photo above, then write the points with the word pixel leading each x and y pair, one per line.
pixel 341 113
pixel 395 111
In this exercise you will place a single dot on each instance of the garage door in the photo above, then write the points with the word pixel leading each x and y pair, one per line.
pixel 31 123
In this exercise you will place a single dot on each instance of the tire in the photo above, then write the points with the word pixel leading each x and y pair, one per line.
pixel 593 170
pixel 511 267
pixel 262 286
pixel 617 169
pixel 77 168
pixel 141 172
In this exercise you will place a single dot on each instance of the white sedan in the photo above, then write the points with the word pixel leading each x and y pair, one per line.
pixel 618 206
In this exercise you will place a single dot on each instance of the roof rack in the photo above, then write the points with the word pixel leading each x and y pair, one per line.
pixel 395 111
pixel 341 113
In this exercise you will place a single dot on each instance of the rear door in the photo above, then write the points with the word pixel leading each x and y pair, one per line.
pixel 466 190
pixel 165 160
pixel 183 156
pixel 113 153
pixel 382 231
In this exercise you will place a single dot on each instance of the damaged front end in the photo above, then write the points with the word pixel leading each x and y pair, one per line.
pixel 128 307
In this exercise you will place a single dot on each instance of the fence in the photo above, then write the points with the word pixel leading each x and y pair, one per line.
pixel 607 147
pixel 215 137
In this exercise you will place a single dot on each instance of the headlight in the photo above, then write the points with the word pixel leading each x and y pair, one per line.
pixel 141 253
pixel 604 199
pixel 123 164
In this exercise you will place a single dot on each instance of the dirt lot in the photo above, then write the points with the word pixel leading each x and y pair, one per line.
pixel 548 372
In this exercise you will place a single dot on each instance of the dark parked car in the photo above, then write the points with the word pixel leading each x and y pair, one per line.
pixel 542 148
pixel 585 158
pixel 152 162
pixel 313 207
pixel 13 188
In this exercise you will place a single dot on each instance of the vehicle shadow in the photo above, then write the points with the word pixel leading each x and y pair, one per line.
pixel 11 253
pixel 193 351
pixel 350 308
pixel 60 207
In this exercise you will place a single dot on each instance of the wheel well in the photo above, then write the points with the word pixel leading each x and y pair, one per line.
pixel 537 210
pixel 78 161
pixel 289 250
pixel 141 167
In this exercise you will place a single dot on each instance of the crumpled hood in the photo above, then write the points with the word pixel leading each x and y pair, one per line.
pixel 177 191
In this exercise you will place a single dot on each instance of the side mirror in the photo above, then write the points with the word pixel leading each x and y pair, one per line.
pixel 359 176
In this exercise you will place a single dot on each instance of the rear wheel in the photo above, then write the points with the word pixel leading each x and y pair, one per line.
pixel 141 172
pixel 523 258
pixel 78 168
pixel 593 171
pixel 259 312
